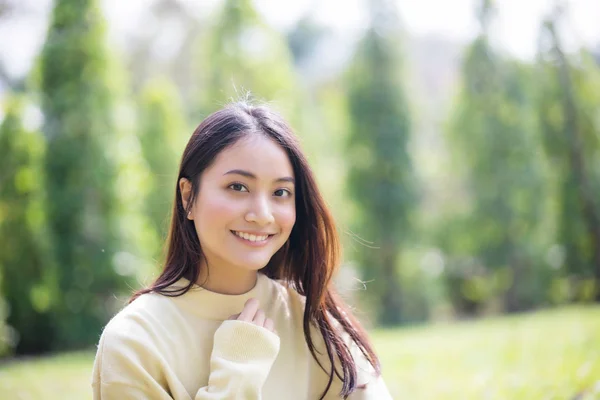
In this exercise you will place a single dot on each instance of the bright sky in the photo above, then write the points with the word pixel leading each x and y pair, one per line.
pixel 516 28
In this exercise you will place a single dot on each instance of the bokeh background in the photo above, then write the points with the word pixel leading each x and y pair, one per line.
pixel 457 142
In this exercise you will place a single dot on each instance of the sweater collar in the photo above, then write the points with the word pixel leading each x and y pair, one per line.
pixel 211 305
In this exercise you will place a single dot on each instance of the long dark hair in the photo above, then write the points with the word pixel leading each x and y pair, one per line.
pixel 307 261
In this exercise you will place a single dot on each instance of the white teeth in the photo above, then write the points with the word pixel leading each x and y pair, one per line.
pixel 250 237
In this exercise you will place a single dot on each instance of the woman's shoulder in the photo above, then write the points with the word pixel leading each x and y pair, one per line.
pixel 140 320
pixel 132 340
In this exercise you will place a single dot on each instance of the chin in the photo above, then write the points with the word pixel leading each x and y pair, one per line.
pixel 251 265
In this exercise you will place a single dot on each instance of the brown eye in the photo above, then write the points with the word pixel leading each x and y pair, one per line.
pixel 282 193
pixel 238 187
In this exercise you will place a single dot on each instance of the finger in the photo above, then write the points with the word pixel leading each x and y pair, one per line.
pixel 234 317
pixel 269 324
pixel 249 311
pixel 259 318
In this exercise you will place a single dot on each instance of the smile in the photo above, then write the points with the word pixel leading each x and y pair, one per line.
pixel 249 237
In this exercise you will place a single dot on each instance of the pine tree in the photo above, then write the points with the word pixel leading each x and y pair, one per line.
pixel 242 53
pixel 491 244
pixel 26 272
pixel 380 179
pixel 162 136
pixel 567 109
pixel 82 207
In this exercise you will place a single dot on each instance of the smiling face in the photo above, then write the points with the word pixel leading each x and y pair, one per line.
pixel 245 209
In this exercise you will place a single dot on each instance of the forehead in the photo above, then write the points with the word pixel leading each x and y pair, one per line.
pixel 254 153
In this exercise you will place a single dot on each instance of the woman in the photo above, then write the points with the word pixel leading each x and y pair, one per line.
pixel 244 308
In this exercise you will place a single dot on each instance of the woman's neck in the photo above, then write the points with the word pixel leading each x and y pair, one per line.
pixel 231 281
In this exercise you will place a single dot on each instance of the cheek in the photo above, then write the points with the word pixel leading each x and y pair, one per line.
pixel 216 210
pixel 286 217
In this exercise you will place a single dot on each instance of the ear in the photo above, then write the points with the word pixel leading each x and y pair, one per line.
pixel 185 187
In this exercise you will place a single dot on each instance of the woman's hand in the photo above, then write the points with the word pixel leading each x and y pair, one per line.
pixel 251 313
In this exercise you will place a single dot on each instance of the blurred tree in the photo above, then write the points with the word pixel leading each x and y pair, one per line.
pixel 568 108
pixel 596 54
pixel 81 170
pixel 380 179
pixel 325 129
pixel 166 45
pixel 26 275
pixel 491 240
pixel 304 38
pixel 242 53
pixel 162 135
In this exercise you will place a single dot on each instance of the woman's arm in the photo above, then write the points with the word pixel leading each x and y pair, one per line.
pixel 128 366
pixel 242 357
pixel 129 369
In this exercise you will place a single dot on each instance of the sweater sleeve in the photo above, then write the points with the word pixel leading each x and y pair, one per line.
pixel 242 356
pixel 129 369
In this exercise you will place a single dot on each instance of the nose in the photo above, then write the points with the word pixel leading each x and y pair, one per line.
pixel 260 212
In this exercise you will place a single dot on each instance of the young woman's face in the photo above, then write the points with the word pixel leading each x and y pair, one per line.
pixel 245 209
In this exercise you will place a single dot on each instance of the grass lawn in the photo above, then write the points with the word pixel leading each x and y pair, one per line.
pixel 544 355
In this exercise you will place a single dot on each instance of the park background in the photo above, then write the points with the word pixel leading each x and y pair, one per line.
pixel 457 142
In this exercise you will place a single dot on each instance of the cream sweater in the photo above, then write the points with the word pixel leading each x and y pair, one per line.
pixel 183 348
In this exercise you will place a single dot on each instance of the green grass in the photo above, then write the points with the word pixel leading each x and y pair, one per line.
pixel 544 355
pixel 64 376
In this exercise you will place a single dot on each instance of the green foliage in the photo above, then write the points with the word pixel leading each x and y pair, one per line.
pixel 80 169
pixel 241 53
pixel 84 207
pixel 304 38
pixel 495 228
pixel 380 177
pixel 162 134
pixel 567 109
pixel 26 281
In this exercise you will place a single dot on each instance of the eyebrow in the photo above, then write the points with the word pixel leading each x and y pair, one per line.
pixel 250 175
